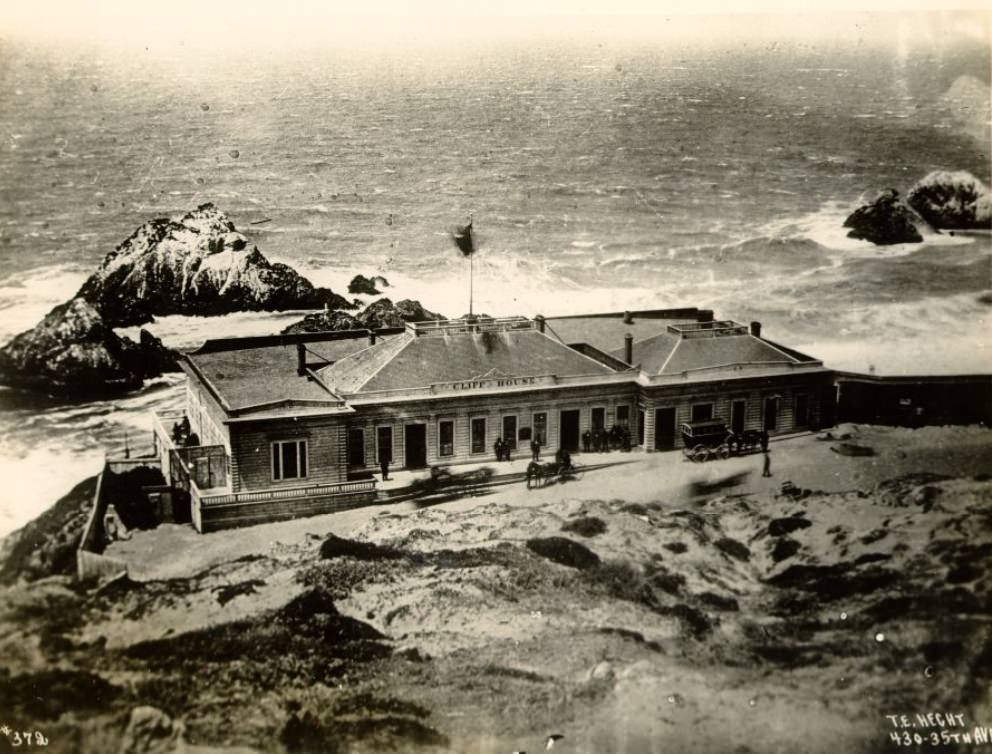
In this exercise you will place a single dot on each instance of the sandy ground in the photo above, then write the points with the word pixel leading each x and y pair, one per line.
pixel 172 551
pixel 624 610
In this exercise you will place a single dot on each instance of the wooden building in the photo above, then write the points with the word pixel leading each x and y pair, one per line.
pixel 302 420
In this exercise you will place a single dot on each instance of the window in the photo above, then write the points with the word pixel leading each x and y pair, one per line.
pixel 384 444
pixel 479 434
pixel 623 416
pixel 524 434
pixel 702 412
pixel 802 410
pixel 598 417
pixel 356 447
pixel 289 459
pixel 541 428
pixel 446 437
pixel 510 431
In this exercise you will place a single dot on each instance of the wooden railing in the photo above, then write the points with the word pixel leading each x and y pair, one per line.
pixel 286 493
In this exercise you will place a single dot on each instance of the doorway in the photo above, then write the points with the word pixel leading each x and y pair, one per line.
pixel 415 437
pixel 570 430
pixel 771 414
pixel 738 411
pixel 664 428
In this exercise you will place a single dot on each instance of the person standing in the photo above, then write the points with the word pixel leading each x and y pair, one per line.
pixel 384 466
pixel 586 440
pixel 535 450
pixel 767 471
pixel 498 448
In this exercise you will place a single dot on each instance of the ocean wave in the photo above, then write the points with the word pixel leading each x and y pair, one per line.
pixel 26 297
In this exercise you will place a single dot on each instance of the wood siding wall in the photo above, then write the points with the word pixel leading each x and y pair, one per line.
pixel 818 388
pixel 206 417
pixel 251 452
pixel 493 409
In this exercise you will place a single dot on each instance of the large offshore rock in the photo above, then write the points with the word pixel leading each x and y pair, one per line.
pixel 381 313
pixel 384 313
pixel 952 200
pixel 885 221
pixel 73 351
pixel 195 264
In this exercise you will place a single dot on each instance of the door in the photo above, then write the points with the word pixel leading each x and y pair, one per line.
pixel 415 437
pixel 356 447
pixel 640 427
pixel 569 430
pixel 510 432
pixel 738 411
pixel 664 429
pixel 771 414
pixel 384 444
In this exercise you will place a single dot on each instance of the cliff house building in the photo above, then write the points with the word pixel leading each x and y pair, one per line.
pixel 292 425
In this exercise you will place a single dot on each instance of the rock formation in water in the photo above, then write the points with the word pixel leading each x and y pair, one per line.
pixel 885 221
pixel 952 200
pixel 72 350
pixel 195 264
pixel 367 286
pixel 381 313
pixel 384 313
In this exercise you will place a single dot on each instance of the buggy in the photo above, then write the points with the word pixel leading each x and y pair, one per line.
pixel 702 440
pixel 542 474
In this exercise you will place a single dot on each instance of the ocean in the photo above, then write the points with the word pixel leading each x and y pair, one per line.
pixel 601 173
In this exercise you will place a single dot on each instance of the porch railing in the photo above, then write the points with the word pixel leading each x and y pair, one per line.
pixel 284 493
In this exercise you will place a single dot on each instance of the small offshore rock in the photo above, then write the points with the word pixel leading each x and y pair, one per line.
pixel 885 221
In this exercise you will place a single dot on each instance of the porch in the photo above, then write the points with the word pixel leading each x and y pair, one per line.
pixel 200 478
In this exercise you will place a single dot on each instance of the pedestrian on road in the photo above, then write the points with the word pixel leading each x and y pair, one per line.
pixel 535 450
pixel 498 448
pixel 768 465
pixel 384 465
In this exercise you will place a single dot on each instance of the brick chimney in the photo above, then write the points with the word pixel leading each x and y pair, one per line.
pixel 540 322
pixel 628 348
pixel 756 329
pixel 628 318
pixel 301 359
pixel 704 315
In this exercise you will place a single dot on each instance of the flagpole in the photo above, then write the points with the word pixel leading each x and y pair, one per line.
pixel 471 274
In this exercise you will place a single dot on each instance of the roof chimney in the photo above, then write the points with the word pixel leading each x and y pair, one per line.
pixel 540 322
pixel 628 348
pixel 301 359
pixel 704 315
pixel 628 318
pixel 756 329
pixel 371 337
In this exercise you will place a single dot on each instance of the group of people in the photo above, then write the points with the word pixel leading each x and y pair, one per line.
pixel 602 440
pixel 502 449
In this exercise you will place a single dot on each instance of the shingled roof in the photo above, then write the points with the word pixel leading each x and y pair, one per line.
pixel 671 352
pixel 410 361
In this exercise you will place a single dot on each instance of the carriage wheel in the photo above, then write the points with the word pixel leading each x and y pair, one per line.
pixel 724 451
pixel 703 455
pixel 688 452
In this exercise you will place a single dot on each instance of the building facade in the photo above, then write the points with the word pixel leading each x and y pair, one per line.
pixel 303 421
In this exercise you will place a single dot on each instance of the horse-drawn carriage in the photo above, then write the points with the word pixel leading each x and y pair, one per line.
pixel 702 440
pixel 561 469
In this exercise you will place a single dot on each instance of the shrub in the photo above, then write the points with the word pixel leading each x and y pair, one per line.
pixel 564 551
pixel 586 526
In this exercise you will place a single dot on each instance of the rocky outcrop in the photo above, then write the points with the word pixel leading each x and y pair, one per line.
pixel 72 350
pixel 151 731
pixel 384 313
pixel 381 313
pixel 952 200
pixel 362 284
pixel 885 221
pixel 195 264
